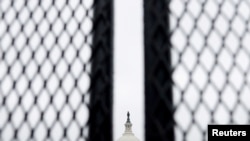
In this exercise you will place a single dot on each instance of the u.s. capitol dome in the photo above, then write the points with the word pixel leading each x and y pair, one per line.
pixel 128 135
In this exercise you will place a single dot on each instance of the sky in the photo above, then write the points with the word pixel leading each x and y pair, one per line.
pixel 128 66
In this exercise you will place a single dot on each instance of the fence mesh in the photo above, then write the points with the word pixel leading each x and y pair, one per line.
pixel 209 65
pixel 197 68
pixel 46 62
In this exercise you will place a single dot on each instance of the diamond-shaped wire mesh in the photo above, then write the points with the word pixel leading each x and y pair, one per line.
pixel 46 55
pixel 209 67
pixel 210 51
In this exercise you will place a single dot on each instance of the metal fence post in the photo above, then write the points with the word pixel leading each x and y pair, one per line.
pixel 158 82
pixel 101 86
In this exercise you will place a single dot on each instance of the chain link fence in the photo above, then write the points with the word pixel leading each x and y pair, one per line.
pixel 55 57
pixel 56 68
pixel 197 66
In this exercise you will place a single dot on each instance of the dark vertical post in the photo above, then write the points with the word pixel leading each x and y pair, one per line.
pixel 101 73
pixel 158 82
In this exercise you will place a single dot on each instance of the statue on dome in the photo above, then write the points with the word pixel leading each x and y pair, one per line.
pixel 128 135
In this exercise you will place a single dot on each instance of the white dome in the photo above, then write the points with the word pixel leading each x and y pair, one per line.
pixel 128 138
pixel 128 134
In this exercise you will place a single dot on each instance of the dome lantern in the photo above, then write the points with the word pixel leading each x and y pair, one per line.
pixel 128 135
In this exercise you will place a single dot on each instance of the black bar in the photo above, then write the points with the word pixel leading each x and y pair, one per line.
pixel 101 98
pixel 158 82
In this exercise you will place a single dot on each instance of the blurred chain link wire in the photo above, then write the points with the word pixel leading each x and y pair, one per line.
pixel 45 66
pixel 211 62
pixel 197 62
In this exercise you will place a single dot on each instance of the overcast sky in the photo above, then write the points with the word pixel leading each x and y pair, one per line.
pixel 128 66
